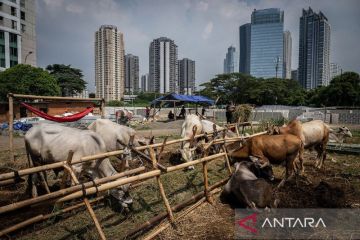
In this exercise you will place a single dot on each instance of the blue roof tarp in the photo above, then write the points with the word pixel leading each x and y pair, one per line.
pixel 168 100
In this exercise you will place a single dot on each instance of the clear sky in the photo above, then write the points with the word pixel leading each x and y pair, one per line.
pixel 203 30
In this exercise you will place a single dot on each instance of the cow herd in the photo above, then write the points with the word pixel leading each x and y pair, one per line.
pixel 49 143
pixel 254 157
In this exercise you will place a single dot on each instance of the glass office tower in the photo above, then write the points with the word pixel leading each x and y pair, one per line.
pixel 267 27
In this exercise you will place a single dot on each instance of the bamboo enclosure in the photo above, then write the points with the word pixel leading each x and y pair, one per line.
pixel 86 189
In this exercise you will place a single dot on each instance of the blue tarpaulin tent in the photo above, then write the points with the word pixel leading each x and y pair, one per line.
pixel 174 99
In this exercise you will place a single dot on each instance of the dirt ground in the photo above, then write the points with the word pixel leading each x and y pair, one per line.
pixel 341 173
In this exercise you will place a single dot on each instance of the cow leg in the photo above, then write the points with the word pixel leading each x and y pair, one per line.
pixel 320 155
pixel 289 169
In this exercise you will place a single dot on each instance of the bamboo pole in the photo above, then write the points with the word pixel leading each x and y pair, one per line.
pixel 227 160
pixel 54 98
pixel 152 221
pixel 11 127
pixel 28 171
pixel 86 200
pixel 42 217
pixel 110 185
pixel 66 191
pixel 102 108
pixel 167 224
pixel 161 187
pixel 187 164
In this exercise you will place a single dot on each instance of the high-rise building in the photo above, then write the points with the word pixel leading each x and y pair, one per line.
pixel 335 70
pixel 131 73
pixel 28 33
pixel 145 83
pixel 17 33
pixel 109 63
pixel 245 45
pixel 314 50
pixel 287 55
pixel 294 75
pixel 186 76
pixel 230 60
pixel 266 52
pixel 163 65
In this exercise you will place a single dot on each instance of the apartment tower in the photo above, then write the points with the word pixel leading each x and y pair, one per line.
pixel 163 65
pixel 109 63
pixel 131 73
pixel 186 76
pixel 17 33
pixel 314 50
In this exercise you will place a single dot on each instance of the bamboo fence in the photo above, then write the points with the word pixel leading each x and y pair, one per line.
pixel 78 190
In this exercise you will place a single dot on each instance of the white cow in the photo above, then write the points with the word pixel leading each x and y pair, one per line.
pixel 49 143
pixel 202 126
pixel 339 135
pixel 117 137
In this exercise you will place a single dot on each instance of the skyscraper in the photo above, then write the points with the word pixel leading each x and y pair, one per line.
pixel 230 60
pixel 17 33
pixel 314 50
pixel 28 33
pixel 287 55
pixel 266 57
pixel 131 73
pixel 245 41
pixel 109 63
pixel 186 76
pixel 335 70
pixel 163 65
pixel 145 83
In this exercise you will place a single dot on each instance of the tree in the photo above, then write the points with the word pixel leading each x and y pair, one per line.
pixel 69 79
pixel 25 79
pixel 241 89
pixel 343 90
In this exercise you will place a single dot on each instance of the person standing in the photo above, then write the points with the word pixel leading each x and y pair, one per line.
pixel 203 111
pixel 147 113
pixel 229 112
pixel 182 112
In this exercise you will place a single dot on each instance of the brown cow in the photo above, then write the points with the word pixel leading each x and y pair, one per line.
pixel 314 134
pixel 274 149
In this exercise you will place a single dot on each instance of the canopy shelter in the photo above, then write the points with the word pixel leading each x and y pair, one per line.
pixel 174 99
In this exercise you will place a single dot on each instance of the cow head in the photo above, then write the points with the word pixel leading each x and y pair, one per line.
pixel 345 131
pixel 120 198
pixel 187 152
pixel 262 170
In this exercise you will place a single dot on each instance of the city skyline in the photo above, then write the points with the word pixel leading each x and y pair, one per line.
pixel 198 28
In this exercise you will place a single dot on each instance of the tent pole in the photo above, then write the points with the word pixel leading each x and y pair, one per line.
pixel 174 110
pixel 11 127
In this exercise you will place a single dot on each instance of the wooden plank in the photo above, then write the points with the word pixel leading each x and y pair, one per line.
pixel 54 98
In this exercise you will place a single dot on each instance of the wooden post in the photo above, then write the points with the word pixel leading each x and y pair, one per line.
pixel 102 108
pixel 68 167
pixel 227 162
pixel 206 180
pixel 161 187
pixel 174 110
pixel 11 127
